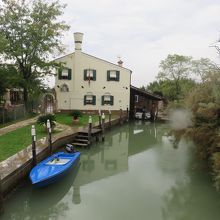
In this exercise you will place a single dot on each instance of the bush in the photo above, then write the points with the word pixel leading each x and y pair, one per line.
pixel 76 114
pixel 43 119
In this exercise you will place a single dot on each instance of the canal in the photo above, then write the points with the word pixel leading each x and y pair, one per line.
pixel 137 173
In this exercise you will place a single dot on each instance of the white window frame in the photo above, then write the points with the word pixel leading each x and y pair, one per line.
pixel 65 72
pixel 89 99
pixel 113 74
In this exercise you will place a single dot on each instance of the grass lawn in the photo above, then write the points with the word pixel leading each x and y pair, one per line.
pixel 64 118
pixel 13 142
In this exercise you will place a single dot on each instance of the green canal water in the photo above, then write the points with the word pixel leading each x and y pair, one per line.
pixel 136 174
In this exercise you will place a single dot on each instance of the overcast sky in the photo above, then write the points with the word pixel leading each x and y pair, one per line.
pixel 144 32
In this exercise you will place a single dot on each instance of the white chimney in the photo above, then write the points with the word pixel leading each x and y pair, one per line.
pixel 78 40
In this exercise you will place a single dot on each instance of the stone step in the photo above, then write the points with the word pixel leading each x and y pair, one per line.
pixel 80 144
pixel 80 136
pixel 81 140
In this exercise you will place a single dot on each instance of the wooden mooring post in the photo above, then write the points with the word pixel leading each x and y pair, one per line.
pixel 100 120
pixel 34 155
pixel 127 114
pixel 90 129
pixel 1 198
pixel 121 122
pixel 103 127
pixel 110 119
pixel 49 137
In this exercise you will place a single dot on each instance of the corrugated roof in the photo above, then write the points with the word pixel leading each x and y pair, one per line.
pixel 146 94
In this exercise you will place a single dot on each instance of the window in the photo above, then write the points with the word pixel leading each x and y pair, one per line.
pixel 113 75
pixel 89 75
pixel 136 98
pixel 65 73
pixel 107 100
pixel 89 99
pixel 16 96
pixel 64 88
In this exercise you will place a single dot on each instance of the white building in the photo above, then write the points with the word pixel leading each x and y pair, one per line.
pixel 89 83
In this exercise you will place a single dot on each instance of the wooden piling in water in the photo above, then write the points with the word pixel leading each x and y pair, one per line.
pixel 34 156
pixel 49 137
pixel 90 129
pixel 127 114
pixel 1 198
pixel 100 119
pixel 110 120
pixel 103 127
pixel 121 122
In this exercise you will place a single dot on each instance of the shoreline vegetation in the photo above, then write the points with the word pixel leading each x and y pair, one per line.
pixel 205 128
pixel 194 86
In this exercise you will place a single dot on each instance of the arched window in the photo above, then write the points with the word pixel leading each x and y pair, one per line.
pixel 64 88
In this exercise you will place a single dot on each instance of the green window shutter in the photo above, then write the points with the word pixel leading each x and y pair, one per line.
pixel 69 74
pixel 117 75
pixel 94 100
pixel 108 75
pixel 103 100
pixel 84 99
pixel 85 75
pixel 112 100
pixel 94 75
pixel 59 73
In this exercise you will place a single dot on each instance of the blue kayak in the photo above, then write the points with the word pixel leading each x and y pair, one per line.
pixel 53 168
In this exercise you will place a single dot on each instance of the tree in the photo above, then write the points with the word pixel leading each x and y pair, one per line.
pixel 175 68
pixel 29 33
pixel 167 88
pixel 202 68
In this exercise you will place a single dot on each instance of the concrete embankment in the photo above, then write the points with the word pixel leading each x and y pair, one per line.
pixel 17 167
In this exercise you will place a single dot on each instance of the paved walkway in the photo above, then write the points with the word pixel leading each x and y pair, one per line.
pixel 17 125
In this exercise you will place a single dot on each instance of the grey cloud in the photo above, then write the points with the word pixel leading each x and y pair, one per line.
pixel 144 31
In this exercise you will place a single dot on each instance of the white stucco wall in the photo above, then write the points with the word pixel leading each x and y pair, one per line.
pixel 74 99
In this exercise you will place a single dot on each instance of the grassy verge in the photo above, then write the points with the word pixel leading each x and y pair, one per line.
pixel 17 140
pixel 13 142
pixel 66 119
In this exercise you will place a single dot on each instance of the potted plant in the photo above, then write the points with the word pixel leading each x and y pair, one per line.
pixel 42 120
pixel 76 114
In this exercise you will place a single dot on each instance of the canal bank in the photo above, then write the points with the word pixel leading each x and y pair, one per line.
pixel 135 174
pixel 16 168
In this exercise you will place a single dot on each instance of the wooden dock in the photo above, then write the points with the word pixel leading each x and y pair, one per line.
pixel 82 138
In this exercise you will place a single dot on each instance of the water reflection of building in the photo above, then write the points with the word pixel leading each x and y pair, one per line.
pixel 103 160
pixel 142 135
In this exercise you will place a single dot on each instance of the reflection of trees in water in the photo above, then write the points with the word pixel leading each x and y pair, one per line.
pixel 54 212
pixel 23 210
pixel 177 203
pixel 192 200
